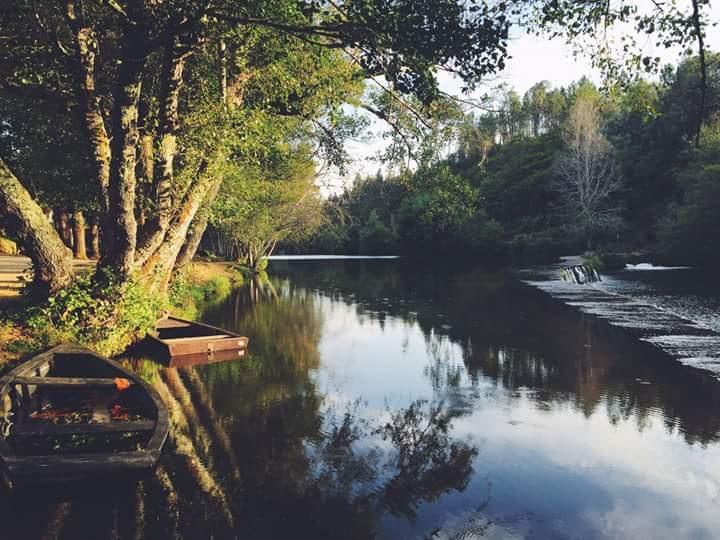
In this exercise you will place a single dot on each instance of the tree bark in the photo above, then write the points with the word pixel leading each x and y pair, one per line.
pixel 86 48
pixel 121 226
pixel 196 230
pixel 79 244
pixel 200 222
pixel 95 238
pixel 62 223
pixel 52 260
pixel 159 266
pixel 145 177
pixel 177 51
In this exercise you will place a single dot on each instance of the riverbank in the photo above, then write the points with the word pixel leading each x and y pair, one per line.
pixel 201 284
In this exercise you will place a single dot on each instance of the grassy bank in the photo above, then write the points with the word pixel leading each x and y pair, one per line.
pixel 202 284
pixel 108 317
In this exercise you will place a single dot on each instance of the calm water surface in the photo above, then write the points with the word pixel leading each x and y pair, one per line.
pixel 390 400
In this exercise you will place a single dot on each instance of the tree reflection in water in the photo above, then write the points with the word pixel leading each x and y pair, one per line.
pixel 255 451
pixel 427 461
pixel 518 338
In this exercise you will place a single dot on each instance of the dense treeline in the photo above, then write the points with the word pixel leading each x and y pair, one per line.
pixel 514 183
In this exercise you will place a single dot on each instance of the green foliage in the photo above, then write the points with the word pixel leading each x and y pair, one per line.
pixel 515 183
pixel 99 312
pixel 691 231
pixel 268 203
pixel 8 247
pixel 439 204
pixel 498 193
pixel 594 260
pixel 376 238
pixel 482 234
pixel 188 297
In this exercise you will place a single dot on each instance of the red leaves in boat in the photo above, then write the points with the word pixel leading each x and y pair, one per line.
pixel 120 413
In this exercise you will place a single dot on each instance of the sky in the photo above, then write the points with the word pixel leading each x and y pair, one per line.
pixel 531 59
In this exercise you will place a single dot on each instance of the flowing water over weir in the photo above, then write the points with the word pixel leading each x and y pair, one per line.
pixel 691 342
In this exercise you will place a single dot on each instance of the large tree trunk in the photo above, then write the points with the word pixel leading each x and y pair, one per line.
pixel 145 177
pixel 158 268
pixel 79 244
pixel 177 52
pixel 88 100
pixel 200 221
pixel 121 226
pixel 196 230
pixel 52 260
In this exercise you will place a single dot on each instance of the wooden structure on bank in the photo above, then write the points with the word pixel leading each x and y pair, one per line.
pixel 70 414
pixel 180 342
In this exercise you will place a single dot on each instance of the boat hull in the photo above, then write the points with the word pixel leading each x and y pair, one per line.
pixel 58 370
pixel 181 342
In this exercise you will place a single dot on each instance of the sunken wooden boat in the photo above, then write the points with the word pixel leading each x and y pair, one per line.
pixel 70 414
pixel 176 339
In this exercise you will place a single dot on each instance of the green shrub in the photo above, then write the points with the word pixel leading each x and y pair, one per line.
pixel 594 260
pixel 8 247
pixel 216 290
pixel 188 298
pixel 103 313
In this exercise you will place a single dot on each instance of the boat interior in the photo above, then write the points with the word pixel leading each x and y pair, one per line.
pixel 175 329
pixel 75 403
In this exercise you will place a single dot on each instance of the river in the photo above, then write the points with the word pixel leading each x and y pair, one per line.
pixel 387 399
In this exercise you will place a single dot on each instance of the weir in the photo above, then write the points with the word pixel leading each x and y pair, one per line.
pixel 580 274
pixel 575 284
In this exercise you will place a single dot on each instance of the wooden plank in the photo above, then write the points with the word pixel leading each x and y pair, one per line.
pixel 198 338
pixel 172 323
pixel 81 428
pixel 203 325
pixel 206 346
pixel 80 463
pixel 67 381
pixel 186 360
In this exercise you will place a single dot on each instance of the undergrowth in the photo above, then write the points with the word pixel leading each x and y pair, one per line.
pixel 188 296
pixel 100 312
pixel 104 313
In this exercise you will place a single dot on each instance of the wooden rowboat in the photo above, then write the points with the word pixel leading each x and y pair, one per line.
pixel 176 339
pixel 70 414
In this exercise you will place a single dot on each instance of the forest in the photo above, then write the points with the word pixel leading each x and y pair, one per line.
pixel 511 183
pixel 137 131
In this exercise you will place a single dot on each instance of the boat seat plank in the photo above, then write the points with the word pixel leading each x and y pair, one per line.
pixel 172 323
pixel 66 381
pixel 198 338
pixel 81 428
pixel 85 463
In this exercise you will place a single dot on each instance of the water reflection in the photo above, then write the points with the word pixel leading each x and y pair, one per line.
pixel 388 401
